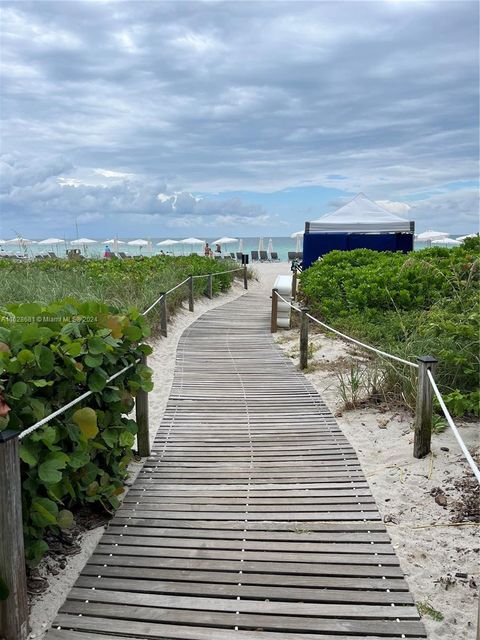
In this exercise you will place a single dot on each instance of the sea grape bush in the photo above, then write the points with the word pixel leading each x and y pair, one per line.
pixel 49 355
pixel 425 302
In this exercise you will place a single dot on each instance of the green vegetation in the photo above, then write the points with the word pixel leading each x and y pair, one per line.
pixel 409 305
pixel 121 283
pixel 425 609
pixel 65 328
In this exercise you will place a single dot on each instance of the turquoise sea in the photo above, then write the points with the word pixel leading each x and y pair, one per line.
pixel 282 245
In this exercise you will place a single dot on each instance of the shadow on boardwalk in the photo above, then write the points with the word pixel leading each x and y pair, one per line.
pixel 251 520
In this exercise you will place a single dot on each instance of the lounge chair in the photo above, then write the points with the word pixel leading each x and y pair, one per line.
pixel 122 255
pixel 291 255
pixel 254 255
pixel 239 256
pixel 232 255
pixel 263 256
pixel 274 256
pixel 299 255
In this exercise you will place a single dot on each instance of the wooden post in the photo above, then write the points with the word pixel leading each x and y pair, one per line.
pixel 210 286
pixel 245 278
pixel 273 321
pixel 191 304
pixel 304 339
pixel 294 285
pixel 423 411
pixel 13 610
pixel 141 415
pixel 163 315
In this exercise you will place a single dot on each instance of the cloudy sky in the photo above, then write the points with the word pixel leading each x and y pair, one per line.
pixel 173 118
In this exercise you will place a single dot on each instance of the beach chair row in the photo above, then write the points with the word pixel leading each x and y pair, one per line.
pixel 262 256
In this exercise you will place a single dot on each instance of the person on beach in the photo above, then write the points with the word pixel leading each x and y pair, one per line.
pixel 207 250
pixel 218 249
pixel 107 253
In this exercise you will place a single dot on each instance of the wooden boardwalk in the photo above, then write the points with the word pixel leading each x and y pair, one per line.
pixel 252 519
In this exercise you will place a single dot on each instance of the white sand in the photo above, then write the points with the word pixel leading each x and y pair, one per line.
pixel 400 484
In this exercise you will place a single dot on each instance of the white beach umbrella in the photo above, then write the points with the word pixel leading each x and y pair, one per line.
pixel 469 235
pixel 84 241
pixel 447 241
pixel 298 235
pixel 113 241
pixel 168 243
pixel 261 246
pixel 52 241
pixel 20 241
pixel 139 242
pixel 240 245
pixel 428 236
pixel 225 240
pixel 270 246
pixel 192 241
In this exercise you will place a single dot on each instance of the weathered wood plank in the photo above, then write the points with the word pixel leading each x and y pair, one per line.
pixel 250 520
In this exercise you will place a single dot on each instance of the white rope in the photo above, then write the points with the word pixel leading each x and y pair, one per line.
pixel 219 273
pixel 177 286
pixel 144 313
pixel 342 335
pixel 56 413
pixel 453 426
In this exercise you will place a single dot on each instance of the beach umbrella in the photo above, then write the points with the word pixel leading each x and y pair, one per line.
pixel 448 241
pixel 20 241
pixel 168 243
pixel 52 241
pixel 298 235
pixel 469 235
pixel 428 236
pixel 225 240
pixel 240 245
pixel 83 241
pixel 115 242
pixel 270 246
pixel 192 241
pixel 261 246
pixel 139 242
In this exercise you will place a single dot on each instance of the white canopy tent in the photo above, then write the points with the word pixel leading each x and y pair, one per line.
pixel 360 215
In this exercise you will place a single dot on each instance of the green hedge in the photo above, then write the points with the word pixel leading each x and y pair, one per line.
pixel 425 302
pixel 49 355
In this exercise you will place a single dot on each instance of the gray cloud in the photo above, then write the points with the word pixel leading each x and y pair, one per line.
pixel 224 96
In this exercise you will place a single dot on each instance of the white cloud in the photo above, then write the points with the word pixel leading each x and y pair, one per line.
pixel 400 208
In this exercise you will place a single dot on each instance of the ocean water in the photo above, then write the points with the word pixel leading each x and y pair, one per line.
pixel 282 245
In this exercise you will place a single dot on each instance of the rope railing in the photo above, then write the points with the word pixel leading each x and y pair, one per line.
pixel 453 427
pixel 425 381
pixel 350 339
pixel 14 613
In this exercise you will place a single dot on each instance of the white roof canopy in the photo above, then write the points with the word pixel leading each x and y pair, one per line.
pixel 360 214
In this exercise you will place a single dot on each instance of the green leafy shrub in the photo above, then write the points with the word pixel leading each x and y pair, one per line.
pixel 426 302
pixel 50 355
